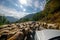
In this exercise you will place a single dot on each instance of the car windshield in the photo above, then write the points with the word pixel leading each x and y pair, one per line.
pixel 55 38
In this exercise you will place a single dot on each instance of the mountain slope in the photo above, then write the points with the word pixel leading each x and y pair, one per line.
pixel 51 12
pixel 11 19
pixel 26 18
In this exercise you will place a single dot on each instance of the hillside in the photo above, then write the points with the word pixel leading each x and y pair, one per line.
pixel 11 19
pixel 51 12
pixel 26 18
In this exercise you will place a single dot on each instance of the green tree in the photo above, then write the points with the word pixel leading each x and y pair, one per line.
pixel 3 20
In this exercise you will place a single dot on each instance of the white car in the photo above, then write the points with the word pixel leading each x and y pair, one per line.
pixel 47 34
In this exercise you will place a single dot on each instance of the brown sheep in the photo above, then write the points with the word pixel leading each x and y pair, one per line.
pixel 17 36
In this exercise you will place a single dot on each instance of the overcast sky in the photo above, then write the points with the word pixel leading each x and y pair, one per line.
pixel 20 8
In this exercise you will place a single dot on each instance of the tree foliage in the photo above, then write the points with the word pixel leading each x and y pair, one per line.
pixel 3 20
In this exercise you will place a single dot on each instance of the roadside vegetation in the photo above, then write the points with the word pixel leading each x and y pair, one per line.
pixel 3 20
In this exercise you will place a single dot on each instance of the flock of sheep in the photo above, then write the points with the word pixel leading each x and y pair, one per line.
pixel 24 31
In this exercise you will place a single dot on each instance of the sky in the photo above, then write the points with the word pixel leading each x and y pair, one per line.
pixel 21 8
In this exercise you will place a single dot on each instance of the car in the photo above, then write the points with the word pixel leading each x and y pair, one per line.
pixel 47 34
